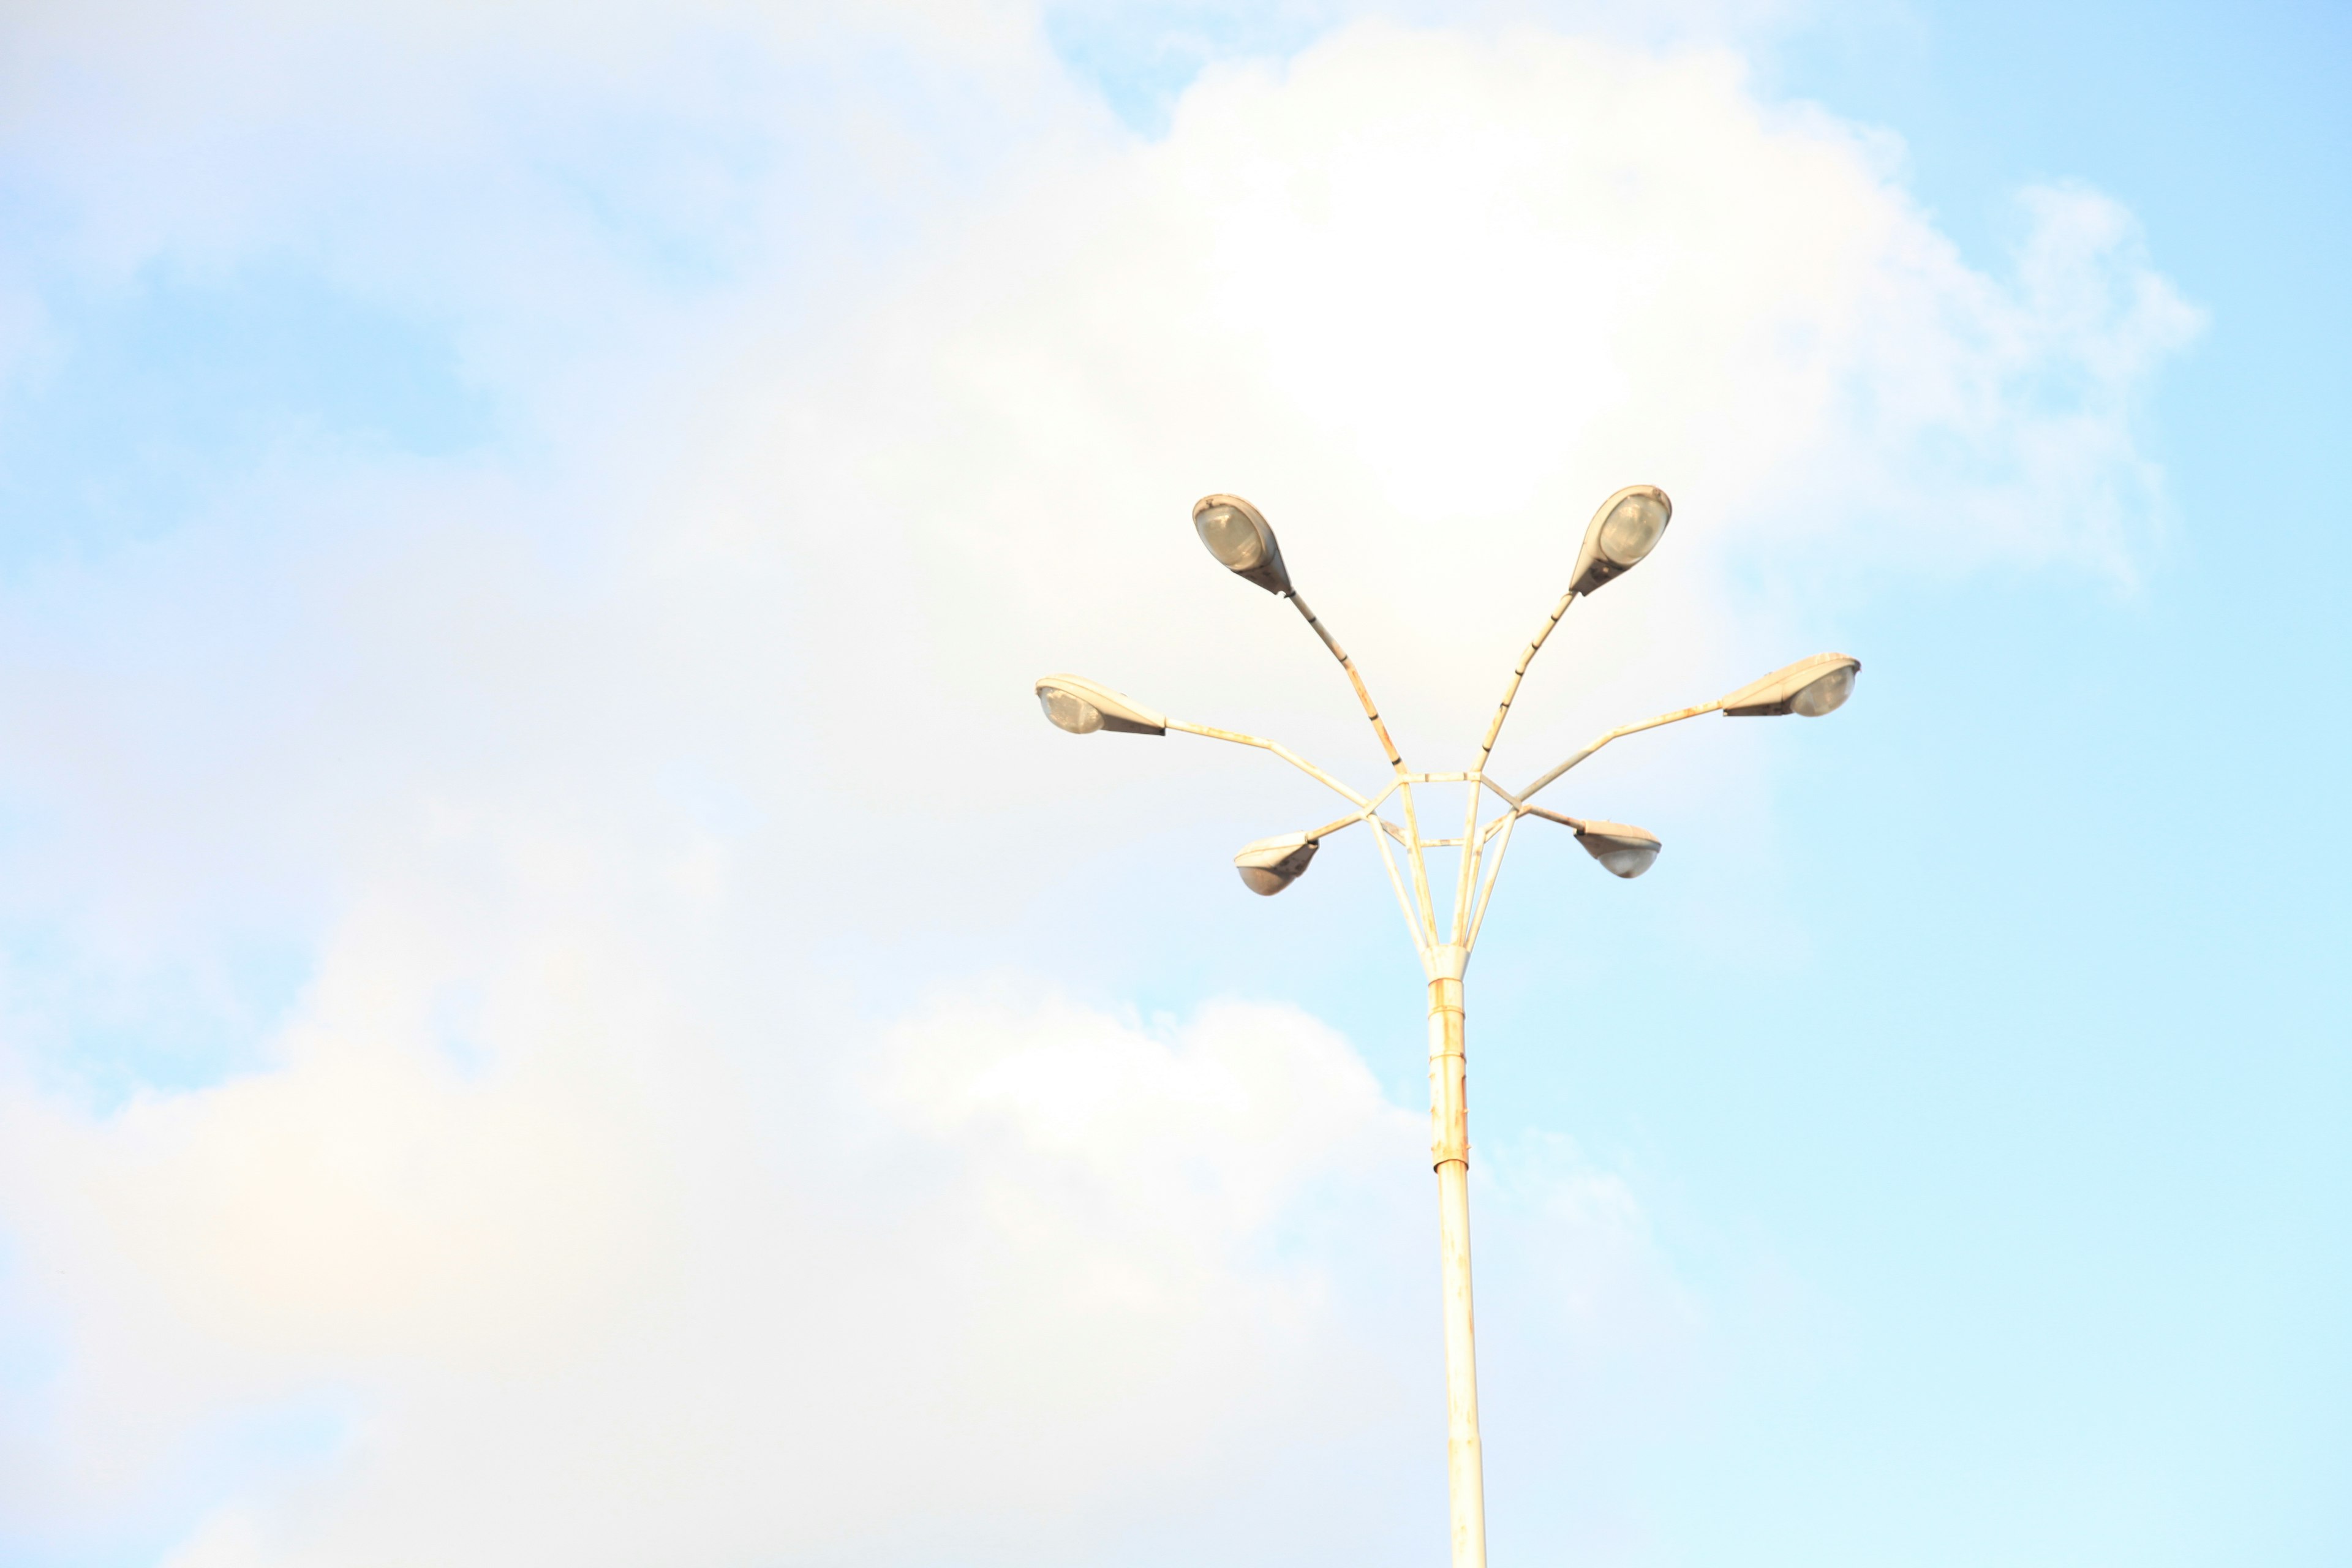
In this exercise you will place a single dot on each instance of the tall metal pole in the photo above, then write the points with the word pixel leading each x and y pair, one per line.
pixel 1620 536
pixel 1449 1110
pixel 1449 1120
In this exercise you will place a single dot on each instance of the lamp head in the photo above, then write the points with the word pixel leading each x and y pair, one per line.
pixel 1810 687
pixel 1238 535
pixel 1271 864
pixel 1622 851
pixel 1627 528
pixel 1082 706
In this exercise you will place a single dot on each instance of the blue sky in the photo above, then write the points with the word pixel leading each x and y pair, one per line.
pixel 537 911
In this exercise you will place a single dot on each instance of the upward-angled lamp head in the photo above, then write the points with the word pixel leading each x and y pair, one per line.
pixel 1238 535
pixel 1810 687
pixel 1082 706
pixel 1627 527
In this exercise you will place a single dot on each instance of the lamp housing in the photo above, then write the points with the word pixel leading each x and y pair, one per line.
pixel 1271 864
pixel 1238 535
pixel 1623 850
pixel 1080 706
pixel 1622 533
pixel 1809 688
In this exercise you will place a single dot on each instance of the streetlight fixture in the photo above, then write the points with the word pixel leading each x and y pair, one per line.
pixel 1622 851
pixel 1626 529
pixel 1623 533
pixel 1271 864
pixel 1238 535
pixel 1810 687
pixel 1082 706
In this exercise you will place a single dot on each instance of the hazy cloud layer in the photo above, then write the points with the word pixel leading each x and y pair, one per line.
pixel 605 1191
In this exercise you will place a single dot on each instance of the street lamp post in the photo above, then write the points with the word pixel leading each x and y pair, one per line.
pixel 1624 531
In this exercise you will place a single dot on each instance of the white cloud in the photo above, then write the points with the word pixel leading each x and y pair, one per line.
pixel 609 1188
pixel 576 1322
pixel 617 1297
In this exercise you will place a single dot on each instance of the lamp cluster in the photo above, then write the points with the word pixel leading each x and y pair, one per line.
pixel 1622 534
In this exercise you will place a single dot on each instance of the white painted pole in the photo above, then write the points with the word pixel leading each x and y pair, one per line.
pixel 1601 559
pixel 1449 1116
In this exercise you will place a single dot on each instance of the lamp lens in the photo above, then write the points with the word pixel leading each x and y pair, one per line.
pixel 1070 711
pixel 1231 536
pixel 1629 861
pixel 1826 695
pixel 1632 529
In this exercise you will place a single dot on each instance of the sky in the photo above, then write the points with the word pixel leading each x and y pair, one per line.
pixel 558 1002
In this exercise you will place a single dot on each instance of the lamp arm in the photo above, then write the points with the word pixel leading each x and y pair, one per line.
pixel 1388 747
pixel 1368 813
pixel 1494 875
pixel 1519 673
pixel 1422 936
pixel 1279 749
pixel 1338 824
pixel 1618 733
pixel 1472 842
pixel 1363 693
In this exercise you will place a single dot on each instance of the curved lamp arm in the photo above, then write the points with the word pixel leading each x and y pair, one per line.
pixel 1623 729
pixel 1465 921
pixel 1369 812
pixel 1519 673
pixel 1396 762
pixel 1363 693
pixel 1279 749
pixel 1812 687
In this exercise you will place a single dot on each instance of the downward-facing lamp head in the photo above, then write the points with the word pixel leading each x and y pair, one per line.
pixel 1271 864
pixel 1623 850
